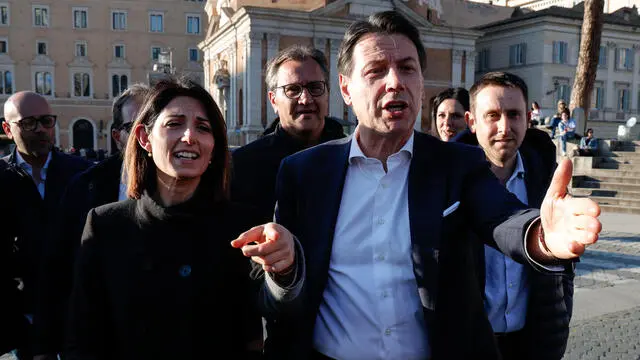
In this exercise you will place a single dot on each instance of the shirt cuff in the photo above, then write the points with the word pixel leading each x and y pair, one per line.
pixel 550 268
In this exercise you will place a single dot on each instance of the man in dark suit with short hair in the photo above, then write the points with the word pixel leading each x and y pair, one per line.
pixel 384 219
pixel 529 311
pixel 43 173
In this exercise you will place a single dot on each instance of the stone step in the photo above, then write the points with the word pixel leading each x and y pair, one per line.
pixel 619 209
pixel 608 186
pixel 603 200
pixel 606 179
pixel 584 192
pixel 618 166
pixel 624 154
pixel 628 172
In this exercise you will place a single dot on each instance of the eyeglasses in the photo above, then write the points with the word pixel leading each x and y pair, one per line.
pixel 294 91
pixel 127 126
pixel 30 123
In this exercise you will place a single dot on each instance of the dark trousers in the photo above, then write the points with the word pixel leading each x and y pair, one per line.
pixel 512 345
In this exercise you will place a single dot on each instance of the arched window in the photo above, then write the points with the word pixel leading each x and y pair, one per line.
pixel 44 82
pixel 119 83
pixel 81 84
pixel 83 134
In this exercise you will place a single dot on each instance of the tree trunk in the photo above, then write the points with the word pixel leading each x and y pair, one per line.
pixel 588 57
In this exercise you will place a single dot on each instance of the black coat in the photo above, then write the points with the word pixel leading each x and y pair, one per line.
pixel 94 187
pixel 256 164
pixel 36 216
pixel 550 304
pixel 14 325
pixel 162 283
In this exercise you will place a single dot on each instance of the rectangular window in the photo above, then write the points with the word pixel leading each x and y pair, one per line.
pixel 623 99
pixel 194 54
pixel 4 46
pixel 624 59
pixel 119 83
pixel 41 48
pixel 118 51
pixel 156 22
pixel 44 82
pixel 517 54
pixel 597 102
pixel 193 24
pixel 81 85
pixel 81 49
pixel 155 52
pixel 483 60
pixel 80 18
pixel 41 16
pixel 602 57
pixel 560 52
pixel 6 82
pixel 4 15
pixel 119 20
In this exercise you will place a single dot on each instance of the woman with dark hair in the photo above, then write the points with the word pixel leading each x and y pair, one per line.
pixel 156 276
pixel 447 113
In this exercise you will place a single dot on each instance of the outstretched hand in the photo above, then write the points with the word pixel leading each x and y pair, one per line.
pixel 270 245
pixel 570 224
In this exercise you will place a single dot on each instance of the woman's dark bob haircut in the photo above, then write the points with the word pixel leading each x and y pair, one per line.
pixel 140 168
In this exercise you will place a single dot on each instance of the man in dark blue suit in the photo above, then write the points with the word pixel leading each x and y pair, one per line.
pixel 529 311
pixel 43 174
pixel 384 218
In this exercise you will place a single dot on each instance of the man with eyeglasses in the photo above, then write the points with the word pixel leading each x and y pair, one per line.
pixel 98 185
pixel 297 80
pixel 43 173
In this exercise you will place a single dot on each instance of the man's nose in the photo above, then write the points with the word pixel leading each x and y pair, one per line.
pixel 503 124
pixel 393 80
pixel 305 97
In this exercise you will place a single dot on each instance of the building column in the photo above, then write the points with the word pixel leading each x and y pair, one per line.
pixel 610 92
pixel 470 69
pixel 633 102
pixel 232 120
pixel 336 104
pixel 273 46
pixel 251 124
pixel 456 67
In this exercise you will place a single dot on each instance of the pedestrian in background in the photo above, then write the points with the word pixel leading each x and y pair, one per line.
pixel 447 113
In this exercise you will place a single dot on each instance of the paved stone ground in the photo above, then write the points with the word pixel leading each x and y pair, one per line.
pixel 606 321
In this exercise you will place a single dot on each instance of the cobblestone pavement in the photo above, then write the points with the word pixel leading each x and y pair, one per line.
pixel 606 322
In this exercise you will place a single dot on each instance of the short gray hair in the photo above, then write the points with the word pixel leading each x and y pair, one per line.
pixel 296 53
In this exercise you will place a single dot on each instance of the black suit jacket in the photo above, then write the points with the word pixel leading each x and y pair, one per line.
pixel 550 303
pixel 309 192
pixel 96 186
pixel 37 215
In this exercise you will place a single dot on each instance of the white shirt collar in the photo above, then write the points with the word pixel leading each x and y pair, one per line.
pixel 356 152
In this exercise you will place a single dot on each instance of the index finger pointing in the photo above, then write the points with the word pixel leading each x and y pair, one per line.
pixel 252 235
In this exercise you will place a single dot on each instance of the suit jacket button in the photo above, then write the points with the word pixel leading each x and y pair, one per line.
pixel 185 270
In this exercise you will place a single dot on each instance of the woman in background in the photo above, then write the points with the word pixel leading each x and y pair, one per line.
pixel 447 113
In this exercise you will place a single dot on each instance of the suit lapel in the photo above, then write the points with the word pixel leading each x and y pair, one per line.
pixel 427 198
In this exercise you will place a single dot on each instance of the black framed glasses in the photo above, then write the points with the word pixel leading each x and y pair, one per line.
pixel 127 126
pixel 294 91
pixel 30 123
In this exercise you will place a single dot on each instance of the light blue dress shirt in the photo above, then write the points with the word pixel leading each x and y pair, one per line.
pixel 40 183
pixel 507 288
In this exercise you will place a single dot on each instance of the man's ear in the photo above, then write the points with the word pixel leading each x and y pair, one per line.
pixel 344 89
pixel 142 137
pixel 7 129
pixel 115 134
pixel 471 122
pixel 272 100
